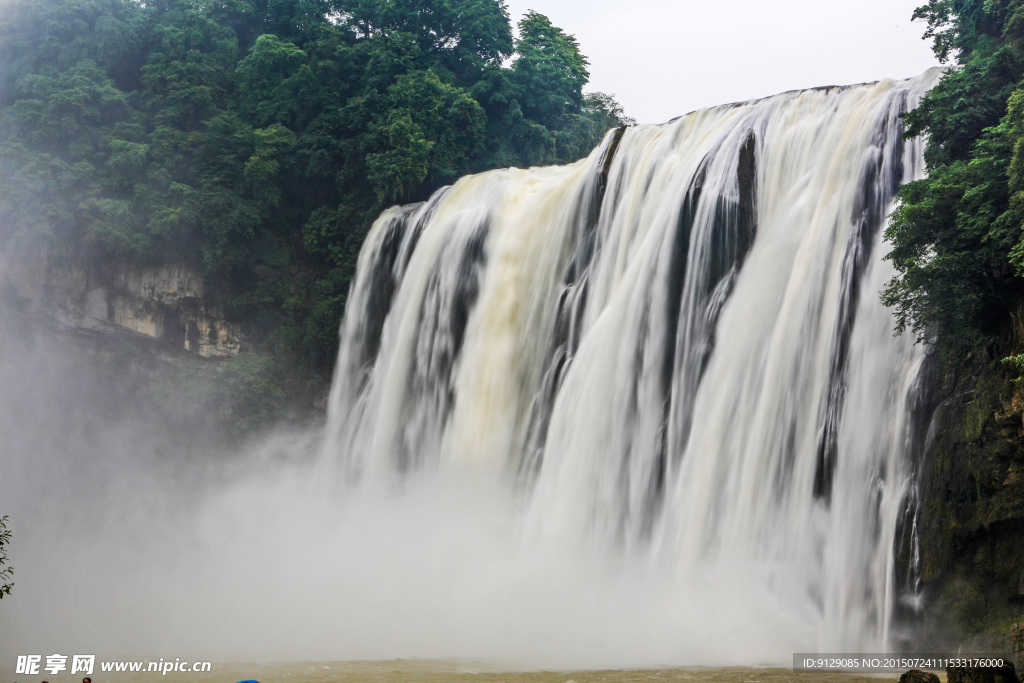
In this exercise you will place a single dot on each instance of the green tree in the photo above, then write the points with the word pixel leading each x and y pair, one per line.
pixel 432 130
pixel 55 139
pixel 274 82
pixel 551 71
pixel 957 235
pixel 5 574
pixel 467 33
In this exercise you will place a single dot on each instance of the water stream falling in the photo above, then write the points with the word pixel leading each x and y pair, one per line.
pixel 642 410
pixel 674 349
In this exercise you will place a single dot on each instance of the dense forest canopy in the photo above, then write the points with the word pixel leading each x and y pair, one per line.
pixel 957 235
pixel 258 139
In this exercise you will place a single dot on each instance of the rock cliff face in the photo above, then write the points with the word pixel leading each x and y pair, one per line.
pixel 972 504
pixel 156 342
pixel 165 302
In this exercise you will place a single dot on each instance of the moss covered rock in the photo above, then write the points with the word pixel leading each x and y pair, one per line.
pixel 972 504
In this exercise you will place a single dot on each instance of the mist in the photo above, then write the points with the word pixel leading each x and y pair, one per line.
pixel 133 542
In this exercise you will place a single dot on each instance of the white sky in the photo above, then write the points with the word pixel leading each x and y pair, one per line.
pixel 665 58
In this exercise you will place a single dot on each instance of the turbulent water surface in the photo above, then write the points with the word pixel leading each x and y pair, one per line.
pixel 642 410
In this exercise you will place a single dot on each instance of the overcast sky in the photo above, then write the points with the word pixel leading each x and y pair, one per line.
pixel 664 58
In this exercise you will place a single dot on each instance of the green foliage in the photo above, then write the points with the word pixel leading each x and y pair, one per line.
pixel 432 130
pixel 550 69
pixel 258 139
pixel 5 574
pixel 475 32
pixel 606 112
pixel 1016 362
pixel 271 80
pixel 56 139
pixel 958 236
pixel 251 393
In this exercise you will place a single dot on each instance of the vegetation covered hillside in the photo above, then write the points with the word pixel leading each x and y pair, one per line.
pixel 258 139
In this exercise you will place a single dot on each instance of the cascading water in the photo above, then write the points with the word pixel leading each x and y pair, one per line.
pixel 642 410
pixel 670 354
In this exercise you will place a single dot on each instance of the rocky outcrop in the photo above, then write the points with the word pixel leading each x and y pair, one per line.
pixel 918 676
pixel 994 674
pixel 163 302
pixel 971 518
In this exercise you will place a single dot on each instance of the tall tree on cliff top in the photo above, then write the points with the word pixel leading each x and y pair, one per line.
pixel 551 71
pixel 957 235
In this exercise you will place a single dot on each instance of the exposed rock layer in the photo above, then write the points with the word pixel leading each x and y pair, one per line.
pixel 166 302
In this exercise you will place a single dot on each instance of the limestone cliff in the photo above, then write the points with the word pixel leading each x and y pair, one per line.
pixel 165 302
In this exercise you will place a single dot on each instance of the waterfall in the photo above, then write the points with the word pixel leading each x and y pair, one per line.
pixel 671 353
pixel 644 410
